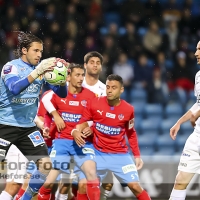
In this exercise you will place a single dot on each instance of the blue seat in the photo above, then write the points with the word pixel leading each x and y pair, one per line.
pixel 173 109
pixel 152 124
pixel 180 141
pixel 192 96
pixel 164 141
pixel 189 104
pixel 166 124
pixel 147 151
pixel 111 17
pixel 147 140
pixel 138 94
pixel 137 121
pixel 138 108
pixel 152 110
pixel 165 151
pixel 187 128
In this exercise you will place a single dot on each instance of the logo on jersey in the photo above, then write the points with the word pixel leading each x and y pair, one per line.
pixel 120 116
pixel 33 88
pixel 36 138
pixel 110 115
pixel 63 100
pixel 74 103
pixel 2 152
pixel 69 117
pixel 84 103
pixel 109 130
pixel 7 69
pixel 4 142
pixel 23 68
pixel 24 100
pixel 88 150
pixel 131 123
pixel 100 112
pixel 128 168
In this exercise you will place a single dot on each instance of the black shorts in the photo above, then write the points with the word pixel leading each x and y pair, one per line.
pixel 28 140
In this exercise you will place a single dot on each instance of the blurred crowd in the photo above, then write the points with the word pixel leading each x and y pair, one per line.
pixel 150 43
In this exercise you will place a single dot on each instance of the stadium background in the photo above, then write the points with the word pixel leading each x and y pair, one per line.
pixel 150 43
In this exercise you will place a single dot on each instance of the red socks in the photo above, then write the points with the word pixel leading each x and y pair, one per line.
pixel 93 191
pixel 44 193
pixel 143 196
pixel 20 194
pixel 81 196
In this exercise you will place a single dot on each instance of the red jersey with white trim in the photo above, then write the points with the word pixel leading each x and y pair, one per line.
pixel 71 109
pixel 41 112
pixel 110 126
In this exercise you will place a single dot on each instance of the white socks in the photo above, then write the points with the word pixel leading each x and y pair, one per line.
pixel 104 193
pixel 178 195
pixel 5 196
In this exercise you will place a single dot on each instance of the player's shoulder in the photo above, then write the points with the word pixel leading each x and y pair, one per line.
pixel 88 93
pixel 47 95
pixel 127 105
pixel 101 85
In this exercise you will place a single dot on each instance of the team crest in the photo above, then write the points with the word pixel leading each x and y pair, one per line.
pixel 84 103
pixel 23 68
pixel 121 116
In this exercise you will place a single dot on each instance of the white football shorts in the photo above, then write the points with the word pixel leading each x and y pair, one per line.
pixel 190 158
pixel 16 165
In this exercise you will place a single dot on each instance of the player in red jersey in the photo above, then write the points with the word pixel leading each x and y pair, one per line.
pixel 70 110
pixel 113 118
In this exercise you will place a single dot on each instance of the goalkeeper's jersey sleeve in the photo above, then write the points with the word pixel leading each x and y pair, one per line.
pixel 18 110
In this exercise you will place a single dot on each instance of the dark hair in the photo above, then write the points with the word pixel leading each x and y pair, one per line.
pixel 93 54
pixel 74 65
pixel 115 77
pixel 25 40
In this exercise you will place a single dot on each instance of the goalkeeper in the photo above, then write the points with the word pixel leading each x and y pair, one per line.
pixel 20 85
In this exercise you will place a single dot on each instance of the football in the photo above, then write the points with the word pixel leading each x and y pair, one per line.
pixel 57 76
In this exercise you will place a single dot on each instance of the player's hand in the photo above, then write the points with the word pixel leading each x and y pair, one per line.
pixel 60 124
pixel 87 131
pixel 46 65
pixel 79 138
pixel 63 62
pixel 46 132
pixel 193 120
pixel 174 130
pixel 139 163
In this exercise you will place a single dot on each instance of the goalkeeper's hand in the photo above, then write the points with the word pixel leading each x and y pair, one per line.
pixel 45 65
pixel 66 64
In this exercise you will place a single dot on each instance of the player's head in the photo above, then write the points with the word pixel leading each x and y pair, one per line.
pixel 30 48
pixel 114 86
pixel 197 53
pixel 93 63
pixel 76 73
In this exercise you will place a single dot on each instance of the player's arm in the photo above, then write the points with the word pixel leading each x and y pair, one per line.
pixel 194 118
pixel 15 84
pixel 187 116
pixel 50 103
pixel 77 132
pixel 133 141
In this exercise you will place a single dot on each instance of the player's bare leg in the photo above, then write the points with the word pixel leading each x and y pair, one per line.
pixel 138 191
pixel 181 182
pixel 106 186
pixel 12 188
pixel 89 169
pixel 45 190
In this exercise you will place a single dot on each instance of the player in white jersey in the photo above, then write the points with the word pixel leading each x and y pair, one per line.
pixel 93 64
pixel 189 164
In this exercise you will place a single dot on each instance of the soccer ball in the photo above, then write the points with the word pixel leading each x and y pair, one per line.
pixel 57 76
